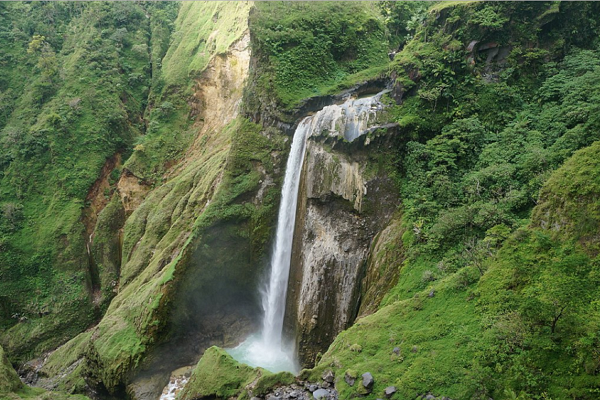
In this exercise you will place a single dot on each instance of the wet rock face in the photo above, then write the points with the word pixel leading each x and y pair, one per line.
pixel 339 213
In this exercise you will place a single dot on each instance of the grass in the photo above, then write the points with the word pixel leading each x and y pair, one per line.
pixel 92 106
pixel 201 31
pixel 437 339
pixel 311 48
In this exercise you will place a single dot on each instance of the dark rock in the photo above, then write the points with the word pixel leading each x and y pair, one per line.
pixel 367 380
pixel 326 385
pixel 321 394
pixel 389 391
pixel 349 379
pixel 487 46
pixel 491 54
pixel 432 293
pixel 396 351
pixel 430 397
pixel 328 376
pixel 347 245
pixel 312 388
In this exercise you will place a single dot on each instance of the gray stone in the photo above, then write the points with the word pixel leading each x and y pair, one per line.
pixel 312 388
pixel 432 293
pixel 255 398
pixel 321 394
pixel 367 380
pixel 326 385
pixel 389 391
pixel 472 45
pixel 396 351
pixel 349 379
pixel 430 397
pixel 328 376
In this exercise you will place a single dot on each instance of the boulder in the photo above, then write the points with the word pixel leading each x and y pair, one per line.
pixel 367 380
pixel 328 376
pixel 350 377
pixel 389 391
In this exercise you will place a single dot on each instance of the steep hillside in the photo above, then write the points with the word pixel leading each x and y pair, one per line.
pixel 479 311
pixel 450 251
pixel 75 85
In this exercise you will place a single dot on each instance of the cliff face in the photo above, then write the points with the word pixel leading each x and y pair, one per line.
pixel 154 237
pixel 344 201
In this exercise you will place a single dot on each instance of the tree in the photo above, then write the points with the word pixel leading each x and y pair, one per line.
pixel 47 62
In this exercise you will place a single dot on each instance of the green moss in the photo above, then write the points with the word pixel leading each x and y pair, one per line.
pixel 28 393
pixel 9 380
pixel 106 246
pixel 202 30
pixel 11 387
pixel 309 48
pixel 66 355
pixel 94 103
pixel 269 381
pixel 218 375
pixel 436 336
pixel 568 207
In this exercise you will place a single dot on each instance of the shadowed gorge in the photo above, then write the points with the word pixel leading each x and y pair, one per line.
pixel 299 200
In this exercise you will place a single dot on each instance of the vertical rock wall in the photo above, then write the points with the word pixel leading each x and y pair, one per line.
pixel 343 203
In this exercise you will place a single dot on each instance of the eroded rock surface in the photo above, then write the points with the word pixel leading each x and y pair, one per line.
pixel 339 213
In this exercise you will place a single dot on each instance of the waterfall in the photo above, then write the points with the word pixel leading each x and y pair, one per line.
pixel 275 294
pixel 267 349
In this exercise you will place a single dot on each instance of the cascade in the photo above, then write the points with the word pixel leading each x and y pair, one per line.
pixel 267 349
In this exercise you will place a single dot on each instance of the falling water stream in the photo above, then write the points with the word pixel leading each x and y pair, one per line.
pixel 268 348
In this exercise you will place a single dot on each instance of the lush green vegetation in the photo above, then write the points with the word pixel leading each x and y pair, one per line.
pixel 494 250
pixel 308 47
pixel 485 136
pixel 74 77
pixel 218 374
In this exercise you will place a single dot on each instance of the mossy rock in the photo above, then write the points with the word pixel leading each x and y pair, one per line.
pixel 569 205
pixel 270 381
pixel 218 375
pixel 9 380
pixel 11 387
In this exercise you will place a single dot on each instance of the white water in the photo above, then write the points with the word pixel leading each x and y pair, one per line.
pixel 176 383
pixel 268 349
pixel 350 119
